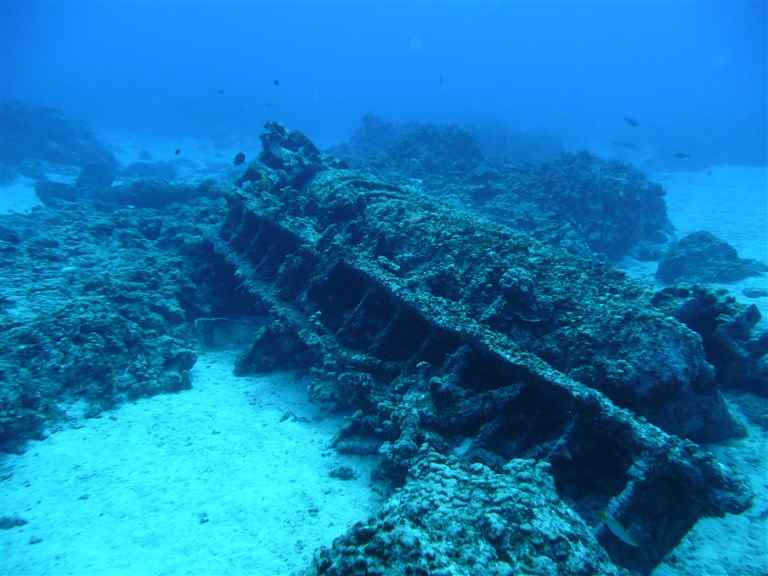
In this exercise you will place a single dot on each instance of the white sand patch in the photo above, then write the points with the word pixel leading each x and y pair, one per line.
pixel 207 481
pixel 18 196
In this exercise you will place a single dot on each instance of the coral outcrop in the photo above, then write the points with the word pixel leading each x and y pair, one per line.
pixel 703 257
pixel 31 134
pixel 576 201
pixel 612 204
pixel 413 150
pixel 457 519
pixel 145 170
pixel 93 310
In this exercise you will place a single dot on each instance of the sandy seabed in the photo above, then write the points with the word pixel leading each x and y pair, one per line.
pixel 230 477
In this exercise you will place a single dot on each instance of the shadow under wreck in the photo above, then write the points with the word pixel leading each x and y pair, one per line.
pixel 462 345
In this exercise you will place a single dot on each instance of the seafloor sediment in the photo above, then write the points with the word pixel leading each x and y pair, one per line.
pixel 514 387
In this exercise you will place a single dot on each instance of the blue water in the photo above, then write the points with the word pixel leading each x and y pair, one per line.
pixel 692 72
pixel 677 88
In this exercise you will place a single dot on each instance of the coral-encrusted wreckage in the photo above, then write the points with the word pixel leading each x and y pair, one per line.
pixel 450 335
pixel 533 409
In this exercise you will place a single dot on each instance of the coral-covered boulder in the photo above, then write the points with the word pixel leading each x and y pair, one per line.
pixel 612 204
pixel 413 150
pixel 41 133
pixel 703 257
pixel 456 519
pixel 93 311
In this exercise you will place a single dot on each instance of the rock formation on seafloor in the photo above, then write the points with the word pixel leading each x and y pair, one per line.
pixel 94 310
pixel 577 201
pixel 738 352
pixel 32 134
pixel 452 518
pixel 445 332
pixel 141 193
pixel 703 257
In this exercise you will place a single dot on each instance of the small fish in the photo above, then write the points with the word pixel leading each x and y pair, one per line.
pixel 618 530
pixel 681 155
pixel 631 121
pixel 441 79
pixel 239 159
pixel 276 82
pixel 178 151
pixel 220 91
pixel 625 144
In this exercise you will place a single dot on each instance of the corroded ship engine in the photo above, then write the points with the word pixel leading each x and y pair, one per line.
pixel 474 357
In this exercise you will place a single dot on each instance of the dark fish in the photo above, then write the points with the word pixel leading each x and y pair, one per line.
pixel 441 79
pixel 631 121
pixel 239 159
pixel 220 91
pixel 681 155
pixel 625 144
pixel 276 82
pixel 178 151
